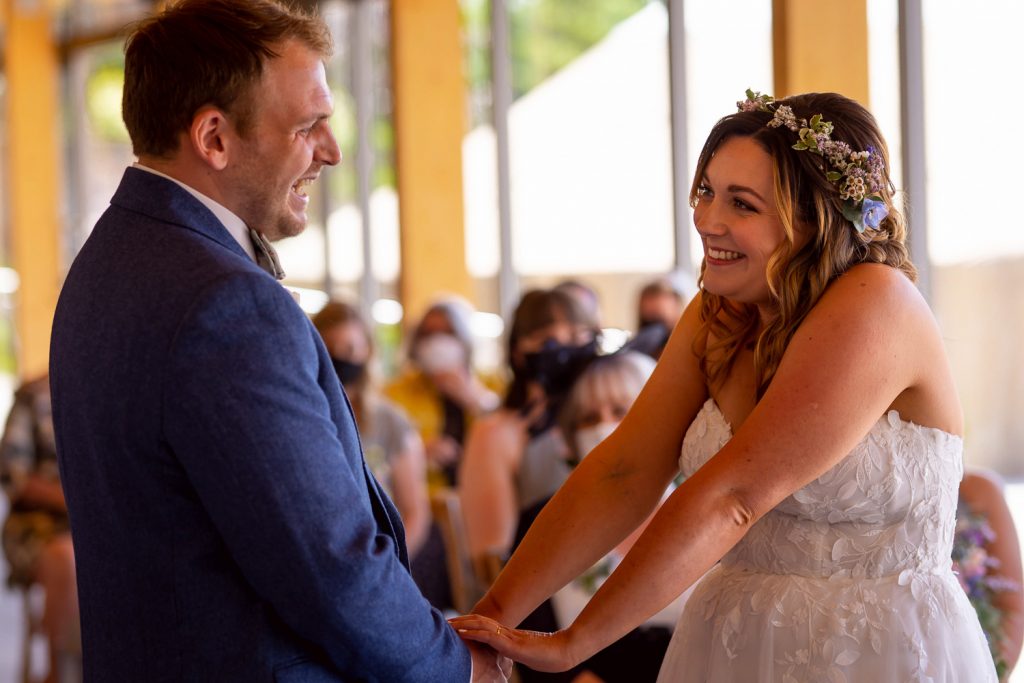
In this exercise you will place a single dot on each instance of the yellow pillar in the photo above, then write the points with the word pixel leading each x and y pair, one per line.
pixel 33 173
pixel 821 45
pixel 430 122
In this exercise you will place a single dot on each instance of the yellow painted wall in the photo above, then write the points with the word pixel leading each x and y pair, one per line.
pixel 34 178
pixel 821 45
pixel 430 122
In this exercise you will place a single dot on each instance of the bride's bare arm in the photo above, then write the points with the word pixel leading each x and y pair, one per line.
pixel 613 490
pixel 870 340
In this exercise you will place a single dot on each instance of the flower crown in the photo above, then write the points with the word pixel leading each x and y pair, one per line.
pixel 858 175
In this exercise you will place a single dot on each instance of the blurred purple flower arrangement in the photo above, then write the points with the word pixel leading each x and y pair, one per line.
pixel 972 566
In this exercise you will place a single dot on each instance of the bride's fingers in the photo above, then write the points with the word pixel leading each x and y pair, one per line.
pixel 471 621
pixel 468 619
pixel 500 638
pixel 541 651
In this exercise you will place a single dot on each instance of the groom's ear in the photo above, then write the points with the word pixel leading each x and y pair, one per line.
pixel 212 137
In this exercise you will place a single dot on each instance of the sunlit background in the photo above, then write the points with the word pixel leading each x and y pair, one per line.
pixel 590 189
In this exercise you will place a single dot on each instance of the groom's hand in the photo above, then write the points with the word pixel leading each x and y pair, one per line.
pixel 488 665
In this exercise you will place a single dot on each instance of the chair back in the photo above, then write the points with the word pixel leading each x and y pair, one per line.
pixel 465 585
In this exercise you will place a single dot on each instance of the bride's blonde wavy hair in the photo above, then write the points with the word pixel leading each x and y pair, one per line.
pixel 806 201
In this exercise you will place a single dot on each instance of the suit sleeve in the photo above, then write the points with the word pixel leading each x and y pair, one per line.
pixel 252 427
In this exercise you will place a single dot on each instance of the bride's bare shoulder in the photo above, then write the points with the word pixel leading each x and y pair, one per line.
pixel 872 296
pixel 874 284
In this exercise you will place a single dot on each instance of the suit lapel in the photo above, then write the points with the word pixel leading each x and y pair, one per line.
pixel 384 511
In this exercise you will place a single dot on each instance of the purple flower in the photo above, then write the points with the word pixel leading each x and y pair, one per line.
pixel 873 212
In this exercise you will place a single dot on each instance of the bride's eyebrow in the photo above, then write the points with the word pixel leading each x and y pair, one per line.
pixel 748 190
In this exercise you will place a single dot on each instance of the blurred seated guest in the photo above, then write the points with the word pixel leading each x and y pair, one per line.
pixel 586 296
pixel 987 560
pixel 439 388
pixel 36 534
pixel 659 306
pixel 600 398
pixel 393 449
pixel 516 456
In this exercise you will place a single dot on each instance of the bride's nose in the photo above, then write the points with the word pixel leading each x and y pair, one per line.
pixel 707 221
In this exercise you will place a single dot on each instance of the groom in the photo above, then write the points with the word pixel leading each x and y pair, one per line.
pixel 225 524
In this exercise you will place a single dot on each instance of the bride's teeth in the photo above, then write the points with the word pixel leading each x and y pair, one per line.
pixel 722 255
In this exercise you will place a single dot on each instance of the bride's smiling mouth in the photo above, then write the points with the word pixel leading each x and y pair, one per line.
pixel 718 256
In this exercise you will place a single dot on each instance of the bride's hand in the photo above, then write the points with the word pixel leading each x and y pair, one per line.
pixel 539 651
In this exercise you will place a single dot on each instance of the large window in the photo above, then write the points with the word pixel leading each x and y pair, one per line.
pixel 590 141
pixel 976 234
pixel 590 162
pixel 975 243
pixel 724 57
pixel 98 145
pixel 590 148
pixel 356 200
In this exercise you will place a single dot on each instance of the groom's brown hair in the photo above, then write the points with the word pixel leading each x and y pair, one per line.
pixel 205 52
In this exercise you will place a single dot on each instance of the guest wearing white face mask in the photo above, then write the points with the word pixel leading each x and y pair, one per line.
pixel 601 397
pixel 439 388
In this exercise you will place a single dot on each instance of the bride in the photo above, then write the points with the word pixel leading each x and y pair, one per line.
pixel 806 397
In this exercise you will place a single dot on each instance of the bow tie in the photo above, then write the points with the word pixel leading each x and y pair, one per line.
pixel 266 256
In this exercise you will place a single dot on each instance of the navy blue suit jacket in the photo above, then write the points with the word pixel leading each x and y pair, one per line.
pixel 226 527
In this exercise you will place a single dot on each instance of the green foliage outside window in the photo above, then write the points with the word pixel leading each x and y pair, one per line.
pixel 103 88
pixel 545 36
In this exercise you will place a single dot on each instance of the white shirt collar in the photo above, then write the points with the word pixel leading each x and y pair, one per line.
pixel 235 225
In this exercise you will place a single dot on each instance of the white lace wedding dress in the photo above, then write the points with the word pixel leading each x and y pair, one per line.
pixel 849 579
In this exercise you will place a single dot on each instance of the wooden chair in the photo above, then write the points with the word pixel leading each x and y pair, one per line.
pixel 469 579
pixel 465 585
pixel 33 612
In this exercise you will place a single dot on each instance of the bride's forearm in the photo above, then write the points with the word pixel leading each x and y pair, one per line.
pixel 687 536
pixel 599 505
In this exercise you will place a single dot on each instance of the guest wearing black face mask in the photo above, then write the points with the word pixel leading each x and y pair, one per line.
pixel 392 447
pixel 659 307
pixel 516 456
